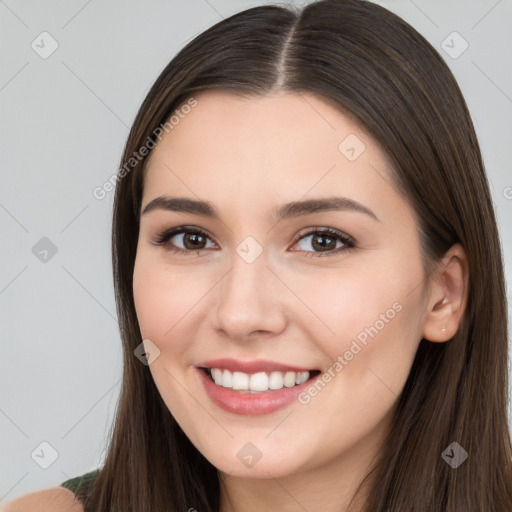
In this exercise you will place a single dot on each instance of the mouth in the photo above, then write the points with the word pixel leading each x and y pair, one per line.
pixel 258 382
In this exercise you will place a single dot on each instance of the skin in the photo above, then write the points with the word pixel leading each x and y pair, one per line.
pixel 247 157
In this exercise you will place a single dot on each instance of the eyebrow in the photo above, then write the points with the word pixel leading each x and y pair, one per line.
pixel 286 211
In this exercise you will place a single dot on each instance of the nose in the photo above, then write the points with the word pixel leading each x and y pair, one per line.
pixel 250 301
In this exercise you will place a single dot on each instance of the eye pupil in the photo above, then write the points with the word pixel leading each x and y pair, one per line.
pixel 194 238
pixel 322 244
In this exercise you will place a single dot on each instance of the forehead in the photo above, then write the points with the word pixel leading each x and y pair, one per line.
pixel 229 141
pixel 276 122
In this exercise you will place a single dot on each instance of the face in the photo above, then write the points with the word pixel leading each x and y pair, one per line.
pixel 264 293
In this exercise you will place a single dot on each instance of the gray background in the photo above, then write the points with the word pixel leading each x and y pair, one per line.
pixel 65 120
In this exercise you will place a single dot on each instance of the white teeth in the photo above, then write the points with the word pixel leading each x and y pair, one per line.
pixel 240 380
pixel 227 379
pixel 302 377
pixel 217 376
pixel 289 379
pixel 257 382
pixel 276 380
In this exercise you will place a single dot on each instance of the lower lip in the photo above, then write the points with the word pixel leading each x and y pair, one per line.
pixel 251 404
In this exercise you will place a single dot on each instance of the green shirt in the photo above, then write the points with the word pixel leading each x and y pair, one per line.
pixel 80 485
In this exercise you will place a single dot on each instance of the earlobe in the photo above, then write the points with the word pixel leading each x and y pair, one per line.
pixel 448 297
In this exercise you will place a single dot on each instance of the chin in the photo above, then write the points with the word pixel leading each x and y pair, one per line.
pixel 258 460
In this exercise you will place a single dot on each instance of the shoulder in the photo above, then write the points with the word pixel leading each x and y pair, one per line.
pixel 54 499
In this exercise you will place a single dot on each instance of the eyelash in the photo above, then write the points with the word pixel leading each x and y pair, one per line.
pixel 162 239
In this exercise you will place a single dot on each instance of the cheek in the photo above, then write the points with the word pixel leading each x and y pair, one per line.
pixel 149 298
pixel 343 303
pixel 375 321
pixel 163 303
pixel 158 299
pixel 366 317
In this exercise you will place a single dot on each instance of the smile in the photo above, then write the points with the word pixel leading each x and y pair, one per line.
pixel 256 393
pixel 257 382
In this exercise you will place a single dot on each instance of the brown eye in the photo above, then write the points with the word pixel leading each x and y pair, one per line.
pixel 183 240
pixel 193 241
pixel 325 242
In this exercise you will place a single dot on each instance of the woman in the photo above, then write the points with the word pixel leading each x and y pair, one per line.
pixel 308 279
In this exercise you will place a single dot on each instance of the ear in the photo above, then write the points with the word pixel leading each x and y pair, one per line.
pixel 447 296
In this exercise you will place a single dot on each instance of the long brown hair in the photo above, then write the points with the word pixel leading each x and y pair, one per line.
pixel 372 64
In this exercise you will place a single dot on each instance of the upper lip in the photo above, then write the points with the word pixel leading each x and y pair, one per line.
pixel 259 365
